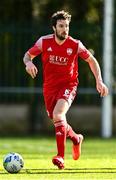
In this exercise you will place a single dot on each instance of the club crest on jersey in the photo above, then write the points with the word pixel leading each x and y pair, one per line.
pixel 69 51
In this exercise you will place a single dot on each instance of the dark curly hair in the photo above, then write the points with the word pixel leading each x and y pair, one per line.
pixel 60 15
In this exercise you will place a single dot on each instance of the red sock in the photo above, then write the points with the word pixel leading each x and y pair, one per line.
pixel 71 134
pixel 60 138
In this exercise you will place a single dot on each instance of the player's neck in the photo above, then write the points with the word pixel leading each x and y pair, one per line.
pixel 58 41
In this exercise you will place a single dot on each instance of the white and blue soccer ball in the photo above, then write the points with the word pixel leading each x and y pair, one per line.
pixel 13 162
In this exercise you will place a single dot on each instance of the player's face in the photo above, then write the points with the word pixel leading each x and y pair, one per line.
pixel 62 29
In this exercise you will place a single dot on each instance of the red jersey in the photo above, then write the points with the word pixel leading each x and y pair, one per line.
pixel 60 62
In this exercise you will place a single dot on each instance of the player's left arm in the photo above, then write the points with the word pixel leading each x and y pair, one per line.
pixel 95 68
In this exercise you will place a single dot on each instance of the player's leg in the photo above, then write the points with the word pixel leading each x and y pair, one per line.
pixel 69 95
pixel 59 120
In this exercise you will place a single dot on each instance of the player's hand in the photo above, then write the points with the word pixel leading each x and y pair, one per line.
pixel 31 69
pixel 101 88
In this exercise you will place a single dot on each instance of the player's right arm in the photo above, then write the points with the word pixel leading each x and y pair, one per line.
pixel 30 67
pixel 30 55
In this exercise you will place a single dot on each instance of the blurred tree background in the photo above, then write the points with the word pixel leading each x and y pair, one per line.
pixel 24 21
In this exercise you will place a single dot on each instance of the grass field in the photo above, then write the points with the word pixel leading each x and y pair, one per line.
pixel 98 160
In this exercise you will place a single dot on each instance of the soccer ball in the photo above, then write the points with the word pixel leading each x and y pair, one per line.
pixel 13 162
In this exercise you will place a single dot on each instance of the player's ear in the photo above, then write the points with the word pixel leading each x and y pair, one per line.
pixel 53 28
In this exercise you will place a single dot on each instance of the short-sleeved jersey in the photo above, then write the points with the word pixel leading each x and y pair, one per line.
pixel 60 62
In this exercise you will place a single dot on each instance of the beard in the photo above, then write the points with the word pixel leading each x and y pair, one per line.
pixel 61 37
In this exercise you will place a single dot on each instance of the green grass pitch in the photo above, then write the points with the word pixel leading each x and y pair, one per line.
pixel 98 159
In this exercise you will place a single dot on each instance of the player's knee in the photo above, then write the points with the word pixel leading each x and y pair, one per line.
pixel 58 116
pixel 59 120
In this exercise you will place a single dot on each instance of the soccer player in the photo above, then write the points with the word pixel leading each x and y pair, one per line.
pixel 59 56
